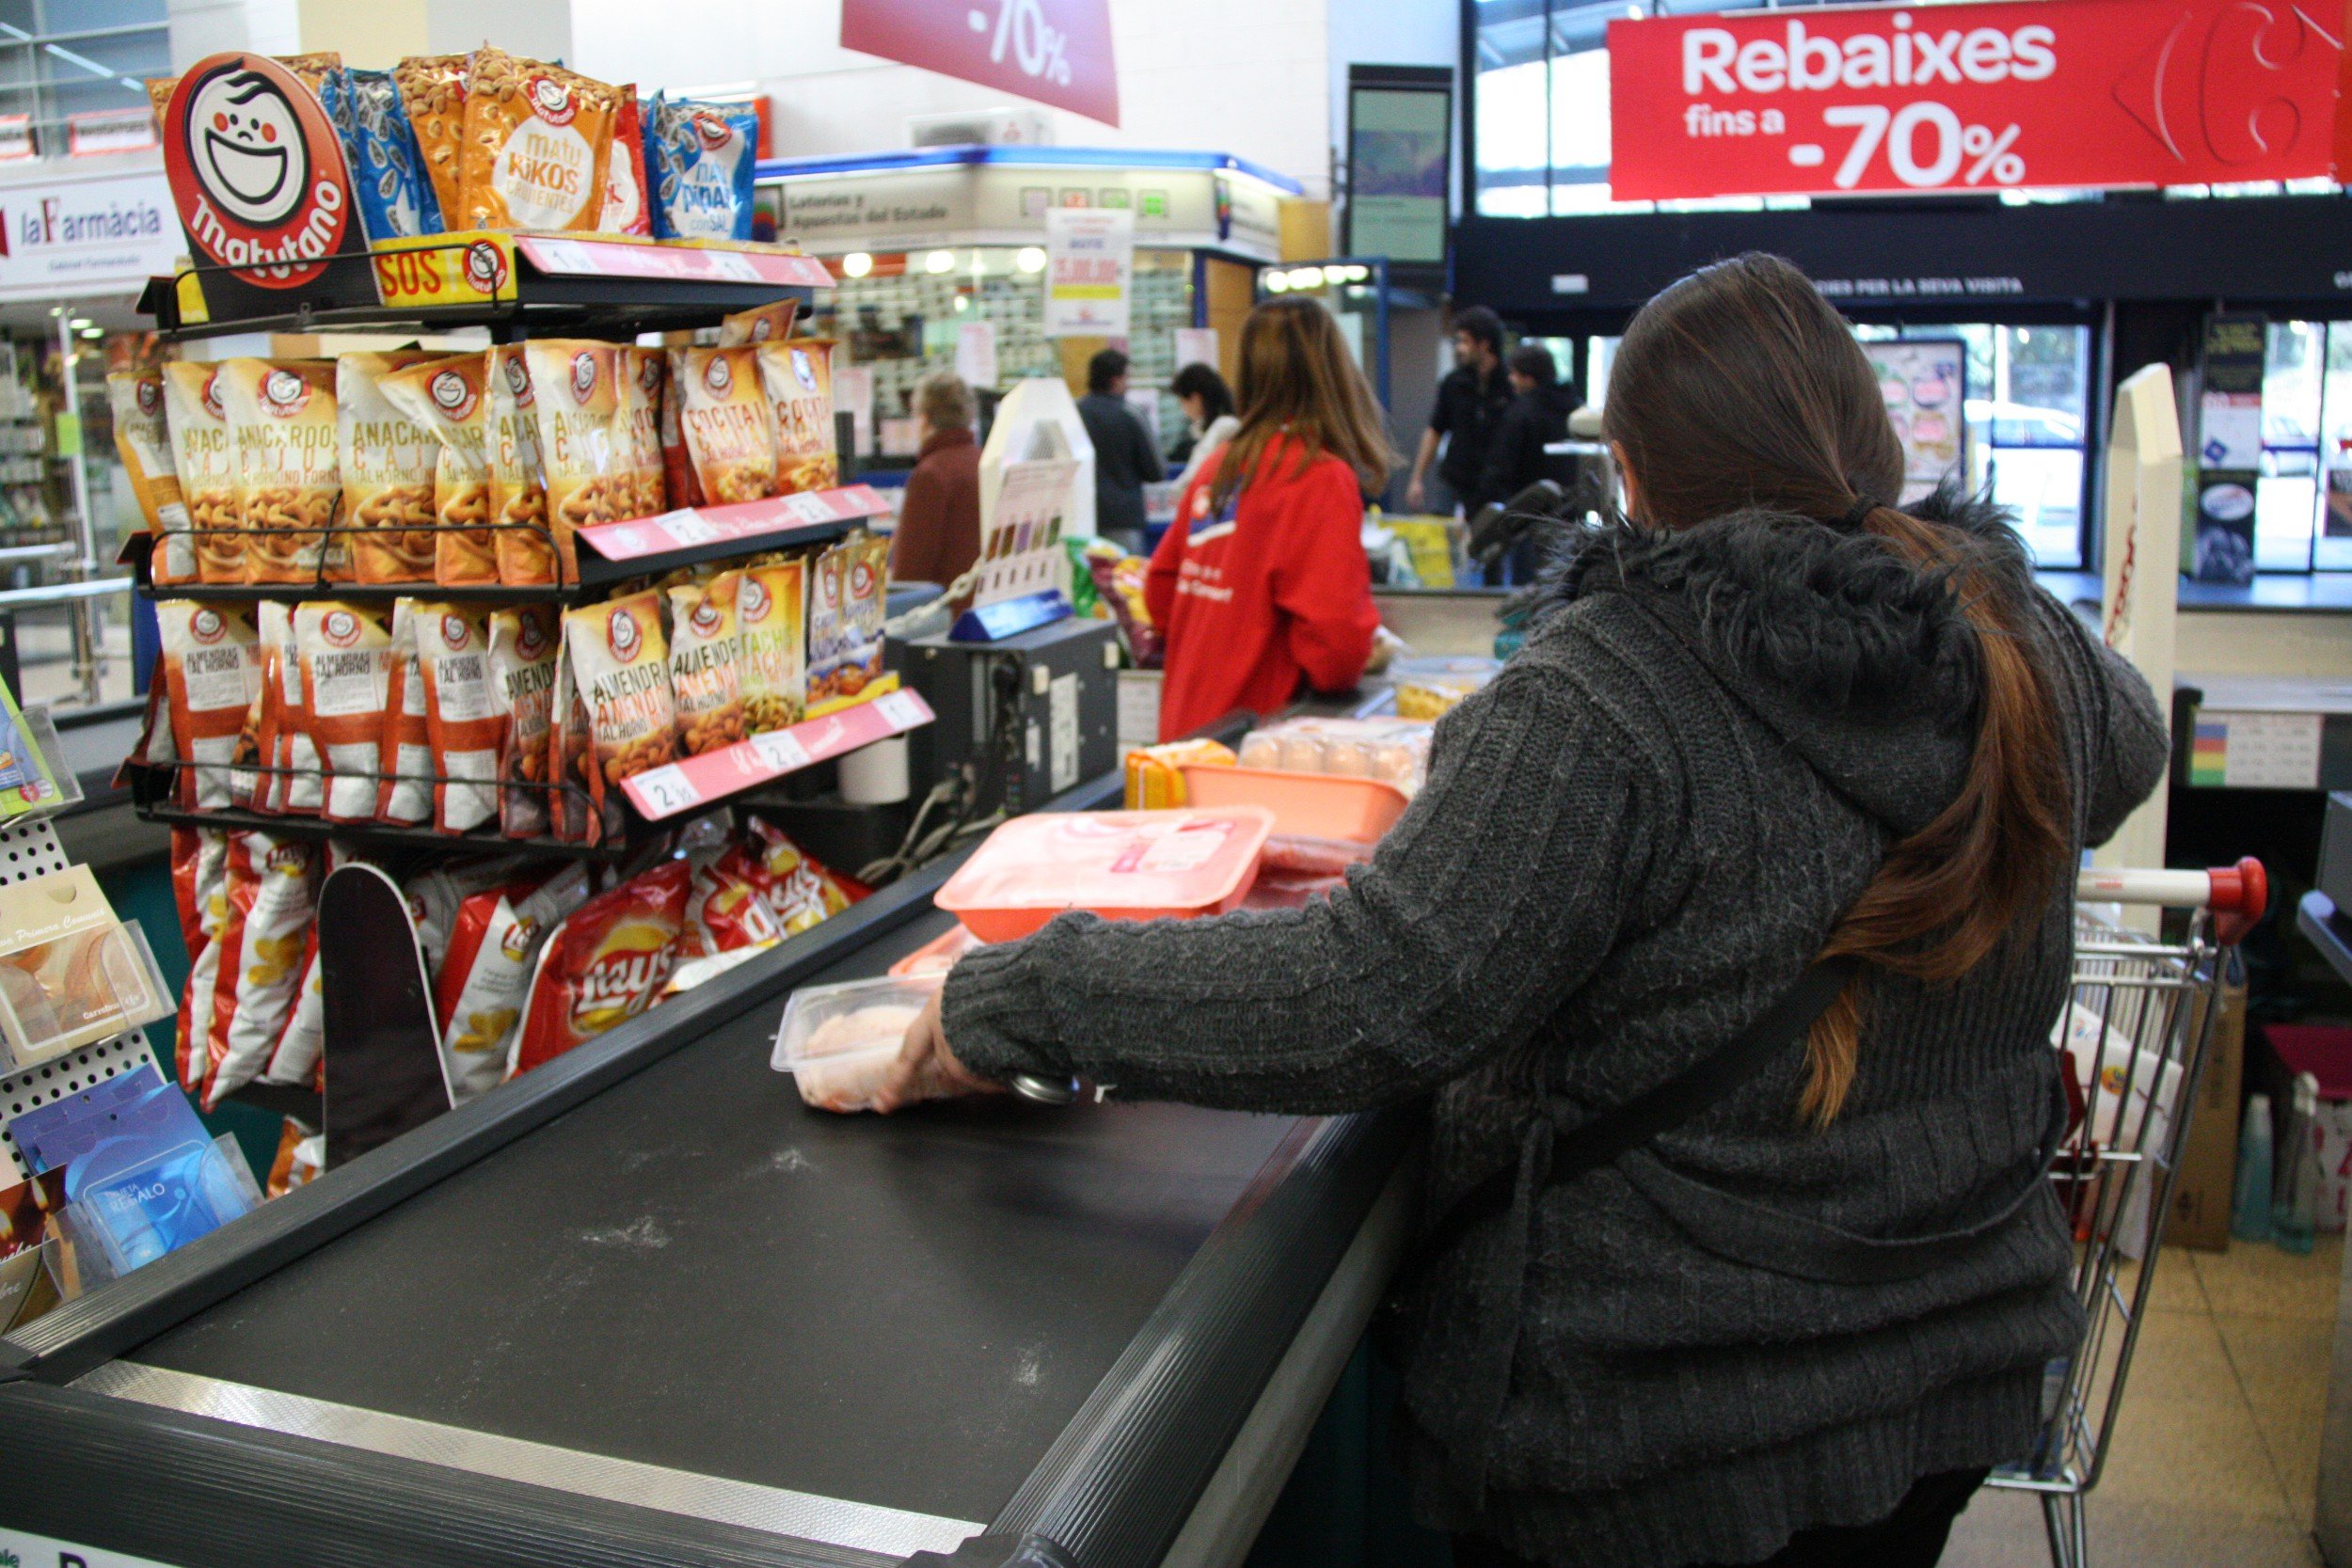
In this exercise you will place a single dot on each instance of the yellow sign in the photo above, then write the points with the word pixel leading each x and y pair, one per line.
pixel 191 292
pixel 442 270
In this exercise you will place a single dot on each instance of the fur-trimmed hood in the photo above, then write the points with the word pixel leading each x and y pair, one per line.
pixel 1861 661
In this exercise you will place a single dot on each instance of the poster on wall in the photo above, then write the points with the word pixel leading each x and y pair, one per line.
pixel 103 235
pixel 1399 147
pixel 2228 446
pixel 1089 263
pixel 1925 382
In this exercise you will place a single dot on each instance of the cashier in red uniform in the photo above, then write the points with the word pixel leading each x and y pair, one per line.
pixel 1262 585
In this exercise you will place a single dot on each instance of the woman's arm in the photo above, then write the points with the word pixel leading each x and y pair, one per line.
pixel 1495 897
pixel 1324 585
pixel 2133 752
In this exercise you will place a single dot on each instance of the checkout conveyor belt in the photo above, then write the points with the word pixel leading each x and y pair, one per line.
pixel 644 1306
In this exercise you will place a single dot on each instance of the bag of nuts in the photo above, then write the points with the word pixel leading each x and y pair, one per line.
pixel 281 413
pixel 727 424
pixel 679 486
pixel 538 145
pixel 405 743
pixel 702 684
pixel 143 442
pixel 644 375
pixel 346 669
pixel 462 715
pixel 388 462
pixel 204 453
pixel 798 377
pixel 432 91
pixel 450 398
pixel 518 492
pixel 620 666
pixel 761 324
pixel 772 658
pixel 578 400
pixel 524 650
pixel 211 673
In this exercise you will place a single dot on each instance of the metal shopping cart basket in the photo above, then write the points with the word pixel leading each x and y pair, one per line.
pixel 2134 1040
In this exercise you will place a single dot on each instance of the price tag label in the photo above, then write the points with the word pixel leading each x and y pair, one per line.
pixel 729 264
pixel 810 507
pixel 900 708
pixel 664 791
pixel 780 751
pixel 688 528
pixel 564 255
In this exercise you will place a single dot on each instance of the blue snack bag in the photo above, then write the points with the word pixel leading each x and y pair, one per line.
pixel 395 200
pixel 699 157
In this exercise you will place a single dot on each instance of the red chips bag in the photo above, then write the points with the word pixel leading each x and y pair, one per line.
pixel 273 891
pixel 723 907
pixel 605 964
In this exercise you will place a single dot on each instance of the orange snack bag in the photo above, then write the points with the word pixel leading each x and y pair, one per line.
pixel 204 453
pixel 644 375
pixel 761 324
pixel 621 667
pixel 578 401
pixel 259 973
pixel 727 424
pixel 450 397
pixel 772 655
pixel 525 650
pixel 281 413
pixel 388 462
pixel 626 210
pixel 538 145
pixel 405 744
pixel 432 91
pixel 346 670
pixel 679 483
pixel 703 683
pixel 212 673
pixel 461 714
pixel 518 492
pixel 143 442
pixel 798 377
pixel 605 964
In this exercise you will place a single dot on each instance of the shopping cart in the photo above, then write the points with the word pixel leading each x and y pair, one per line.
pixel 2134 1038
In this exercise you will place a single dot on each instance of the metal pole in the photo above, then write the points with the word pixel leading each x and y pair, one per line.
pixel 83 612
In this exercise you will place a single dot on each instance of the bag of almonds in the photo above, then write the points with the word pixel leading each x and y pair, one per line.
pixel 620 666
pixel 703 682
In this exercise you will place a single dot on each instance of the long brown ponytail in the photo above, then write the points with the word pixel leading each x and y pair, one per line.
pixel 1740 387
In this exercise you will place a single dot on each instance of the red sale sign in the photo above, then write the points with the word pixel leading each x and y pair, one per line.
pixel 1056 52
pixel 1966 97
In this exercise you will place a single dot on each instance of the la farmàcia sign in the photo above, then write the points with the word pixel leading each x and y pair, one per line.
pixel 85 236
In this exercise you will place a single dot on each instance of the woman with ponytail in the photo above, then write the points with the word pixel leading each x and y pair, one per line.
pixel 1789 776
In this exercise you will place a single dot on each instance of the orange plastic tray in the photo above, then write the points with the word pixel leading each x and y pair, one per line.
pixel 1305 805
pixel 1120 865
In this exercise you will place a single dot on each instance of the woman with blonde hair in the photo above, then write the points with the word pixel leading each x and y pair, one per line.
pixel 1262 585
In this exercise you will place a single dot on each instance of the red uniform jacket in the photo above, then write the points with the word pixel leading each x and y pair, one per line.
pixel 1272 592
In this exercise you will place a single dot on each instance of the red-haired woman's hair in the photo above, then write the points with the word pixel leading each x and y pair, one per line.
pixel 1740 386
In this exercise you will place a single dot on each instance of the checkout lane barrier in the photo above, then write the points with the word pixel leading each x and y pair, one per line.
pixel 2132 1043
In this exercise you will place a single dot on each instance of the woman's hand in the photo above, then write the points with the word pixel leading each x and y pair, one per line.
pixel 926 1068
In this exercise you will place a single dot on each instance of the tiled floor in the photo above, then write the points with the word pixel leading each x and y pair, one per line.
pixel 2217 1451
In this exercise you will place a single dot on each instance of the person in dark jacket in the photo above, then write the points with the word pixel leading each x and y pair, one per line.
pixel 939 520
pixel 1769 719
pixel 1470 401
pixel 1538 415
pixel 1124 458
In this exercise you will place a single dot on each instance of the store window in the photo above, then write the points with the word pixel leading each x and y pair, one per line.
pixel 2303 499
pixel 61 60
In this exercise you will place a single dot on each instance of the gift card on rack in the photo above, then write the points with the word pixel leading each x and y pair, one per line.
pixel 27 781
pixel 70 973
pixel 49 1138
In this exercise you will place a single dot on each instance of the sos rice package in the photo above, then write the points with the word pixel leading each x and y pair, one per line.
pixel 347 652
pixel 143 442
pixel 727 424
pixel 273 895
pixel 462 715
pixel 212 675
pixel 525 648
pixel 538 145
pixel 699 157
pixel 605 963
pixel 705 693
pixel 432 90
pixel 578 401
pixel 388 463
pixel 394 195
pixel 619 664
pixel 204 454
pixel 486 975
pixel 451 397
pixel 770 609
pixel 518 492
pixel 405 741
pixel 289 484
pixel 627 209
pixel 797 376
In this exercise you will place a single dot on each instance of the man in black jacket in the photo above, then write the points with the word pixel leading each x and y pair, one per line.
pixel 1124 458
pixel 1538 415
pixel 1470 401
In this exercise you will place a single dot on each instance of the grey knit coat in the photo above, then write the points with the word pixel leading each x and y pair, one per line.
pixel 1631 844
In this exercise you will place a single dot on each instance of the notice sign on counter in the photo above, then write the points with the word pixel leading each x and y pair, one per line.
pixel 1089 257
pixel 1971 98
pixel 2255 751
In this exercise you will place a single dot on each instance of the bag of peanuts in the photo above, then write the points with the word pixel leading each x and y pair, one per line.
pixel 538 145
pixel 301 785
pixel 388 463
pixel 727 424
pixel 461 716
pixel 644 375
pixel 578 400
pixel 450 398
pixel 204 454
pixel 212 673
pixel 432 91
pixel 312 70
pixel 702 684
pixel 772 670
pixel 524 649
pixel 620 666
pixel 143 442
pixel 626 210
pixel 272 632
pixel 281 414
pixel 604 964
pixel 405 741
pixel 679 486
pixel 518 492
pixel 347 678
pixel 761 324
pixel 573 812
pixel 797 376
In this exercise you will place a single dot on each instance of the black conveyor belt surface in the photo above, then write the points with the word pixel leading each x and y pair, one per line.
pixel 695 1270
